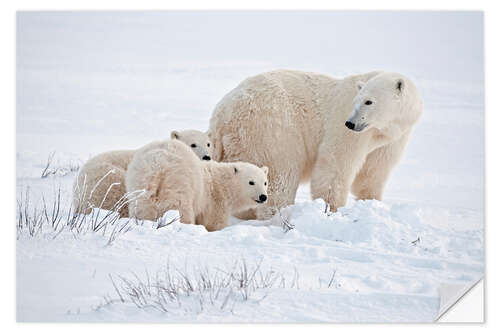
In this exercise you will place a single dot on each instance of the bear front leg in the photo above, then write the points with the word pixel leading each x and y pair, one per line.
pixel 333 188
pixel 186 213
pixel 371 179
pixel 333 176
pixel 217 221
pixel 249 214
pixel 281 192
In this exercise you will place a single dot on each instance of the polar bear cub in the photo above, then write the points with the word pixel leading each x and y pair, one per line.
pixel 101 181
pixel 204 193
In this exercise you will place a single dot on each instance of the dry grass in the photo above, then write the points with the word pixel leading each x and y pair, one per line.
pixel 57 169
pixel 34 219
pixel 199 289
pixel 285 223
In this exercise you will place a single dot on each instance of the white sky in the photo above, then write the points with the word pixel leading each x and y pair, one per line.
pixel 436 45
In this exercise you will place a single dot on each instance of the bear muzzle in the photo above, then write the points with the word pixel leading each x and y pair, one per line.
pixel 349 125
pixel 355 127
pixel 262 198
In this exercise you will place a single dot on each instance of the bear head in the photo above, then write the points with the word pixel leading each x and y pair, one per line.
pixel 388 102
pixel 197 141
pixel 252 184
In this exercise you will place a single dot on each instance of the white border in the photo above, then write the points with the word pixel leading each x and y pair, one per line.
pixel 7 30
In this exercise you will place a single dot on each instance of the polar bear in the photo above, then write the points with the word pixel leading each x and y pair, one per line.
pixel 101 181
pixel 204 193
pixel 341 134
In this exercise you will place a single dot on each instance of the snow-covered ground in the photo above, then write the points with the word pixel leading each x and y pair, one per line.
pixel 90 82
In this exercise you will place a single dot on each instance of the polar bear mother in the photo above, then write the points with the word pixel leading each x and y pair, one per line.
pixel 341 134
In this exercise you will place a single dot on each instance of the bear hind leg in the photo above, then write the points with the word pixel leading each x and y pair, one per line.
pixel 100 186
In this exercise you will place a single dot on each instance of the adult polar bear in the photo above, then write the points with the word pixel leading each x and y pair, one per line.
pixel 342 134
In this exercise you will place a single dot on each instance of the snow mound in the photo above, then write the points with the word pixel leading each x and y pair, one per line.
pixel 381 227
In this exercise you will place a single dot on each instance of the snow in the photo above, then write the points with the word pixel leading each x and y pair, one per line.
pixel 91 82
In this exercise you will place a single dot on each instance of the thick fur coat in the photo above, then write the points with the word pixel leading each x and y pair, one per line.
pixel 101 181
pixel 296 124
pixel 206 193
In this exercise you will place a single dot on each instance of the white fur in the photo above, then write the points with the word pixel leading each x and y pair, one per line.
pixel 205 193
pixel 294 122
pixel 198 141
pixel 101 180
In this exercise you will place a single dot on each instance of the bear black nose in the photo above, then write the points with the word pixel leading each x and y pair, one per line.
pixel 349 125
pixel 206 158
pixel 262 197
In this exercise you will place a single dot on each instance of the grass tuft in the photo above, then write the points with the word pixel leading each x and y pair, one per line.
pixel 199 289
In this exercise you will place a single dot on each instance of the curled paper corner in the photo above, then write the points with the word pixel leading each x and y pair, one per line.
pixel 450 294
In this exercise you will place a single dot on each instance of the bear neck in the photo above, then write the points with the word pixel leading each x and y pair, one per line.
pixel 400 127
pixel 391 133
pixel 220 184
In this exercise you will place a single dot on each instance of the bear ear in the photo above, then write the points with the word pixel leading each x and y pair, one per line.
pixel 174 135
pixel 235 170
pixel 400 86
pixel 360 85
pixel 265 169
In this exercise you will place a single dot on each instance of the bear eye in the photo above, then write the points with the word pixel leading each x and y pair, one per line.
pixel 251 182
pixel 265 183
pixel 368 102
pixel 208 144
pixel 193 145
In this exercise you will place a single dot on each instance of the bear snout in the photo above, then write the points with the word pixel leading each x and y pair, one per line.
pixel 206 158
pixel 350 125
pixel 262 198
